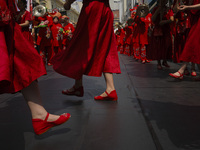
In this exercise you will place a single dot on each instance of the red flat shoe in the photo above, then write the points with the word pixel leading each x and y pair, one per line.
pixel 41 126
pixel 112 96
pixel 193 73
pixel 77 92
pixel 176 76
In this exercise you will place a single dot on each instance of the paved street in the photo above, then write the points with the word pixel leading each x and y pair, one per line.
pixel 154 112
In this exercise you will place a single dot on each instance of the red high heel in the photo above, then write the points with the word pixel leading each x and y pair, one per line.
pixel 176 76
pixel 77 92
pixel 112 96
pixel 41 126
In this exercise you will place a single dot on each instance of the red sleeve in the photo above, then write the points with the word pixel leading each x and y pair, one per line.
pixel 28 16
pixel 50 19
pixel 170 12
pixel 72 27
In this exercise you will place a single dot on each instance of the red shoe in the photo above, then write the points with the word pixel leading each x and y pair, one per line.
pixel 112 96
pixel 77 92
pixel 49 64
pixel 143 61
pixel 41 126
pixel 176 76
pixel 193 73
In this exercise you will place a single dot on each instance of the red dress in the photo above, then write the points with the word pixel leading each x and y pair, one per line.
pixel 67 35
pixel 57 40
pixel 42 39
pixel 20 63
pixel 191 51
pixel 160 44
pixel 92 49
pixel 25 30
pixel 128 40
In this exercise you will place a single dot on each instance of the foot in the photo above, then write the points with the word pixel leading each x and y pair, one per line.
pixel 159 67
pixel 147 61
pixel 177 75
pixel 40 126
pixel 186 72
pixel 143 61
pixel 193 73
pixel 76 91
pixel 112 96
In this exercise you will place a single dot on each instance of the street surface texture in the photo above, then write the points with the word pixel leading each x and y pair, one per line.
pixel 153 112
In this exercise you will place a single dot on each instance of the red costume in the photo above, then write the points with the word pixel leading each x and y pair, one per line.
pixel 68 33
pixel 20 63
pixel 191 51
pixel 25 30
pixel 43 41
pixel 92 49
pixel 160 45
pixel 141 36
pixel 57 37
pixel 122 37
pixel 128 40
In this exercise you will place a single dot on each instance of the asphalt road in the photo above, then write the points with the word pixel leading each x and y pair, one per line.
pixel 153 112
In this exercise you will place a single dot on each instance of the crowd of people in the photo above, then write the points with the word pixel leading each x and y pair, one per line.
pixel 50 33
pixel 161 35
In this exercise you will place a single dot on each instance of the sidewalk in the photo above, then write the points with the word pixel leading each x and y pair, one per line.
pixel 153 112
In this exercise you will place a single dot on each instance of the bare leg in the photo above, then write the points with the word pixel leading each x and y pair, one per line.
pixel 109 83
pixel 33 98
pixel 182 69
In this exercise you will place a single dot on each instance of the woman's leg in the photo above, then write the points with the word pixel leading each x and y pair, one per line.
pixel 109 83
pixel 33 98
pixel 182 69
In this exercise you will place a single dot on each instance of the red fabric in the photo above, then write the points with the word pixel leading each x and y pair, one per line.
pixel 128 35
pixel 42 39
pixel 20 63
pixel 67 37
pixel 160 44
pixel 191 51
pixel 54 30
pixel 25 30
pixel 92 49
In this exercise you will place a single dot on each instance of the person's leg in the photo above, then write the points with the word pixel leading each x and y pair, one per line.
pixel 33 98
pixel 159 67
pixel 181 70
pixel 109 83
pixel 76 90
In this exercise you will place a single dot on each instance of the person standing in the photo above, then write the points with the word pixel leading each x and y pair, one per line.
pixel 92 50
pixel 191 51
pixel 20 67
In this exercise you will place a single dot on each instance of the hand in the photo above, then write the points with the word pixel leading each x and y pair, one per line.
pixel 182 7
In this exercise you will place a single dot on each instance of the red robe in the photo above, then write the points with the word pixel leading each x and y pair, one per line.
pixel 92 49
pixel 67 36
pixel 20 63
pixel 57 40
pixel 160 44
pixel 191 51
pixel 25 30
pixel 42 39
pixel 128 40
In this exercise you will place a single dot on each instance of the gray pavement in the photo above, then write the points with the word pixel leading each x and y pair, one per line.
pixel 154 112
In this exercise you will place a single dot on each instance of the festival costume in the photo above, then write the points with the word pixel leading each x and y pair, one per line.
pixel 122 37
pixel 128 40
pixel 191 52
pixel 141 38
pixel 160 44
pixel 57 38
pixel 68 34
pixel 92 49
pixel 182 27
pixel 20 63
pixel 25 30
pixel 43 41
